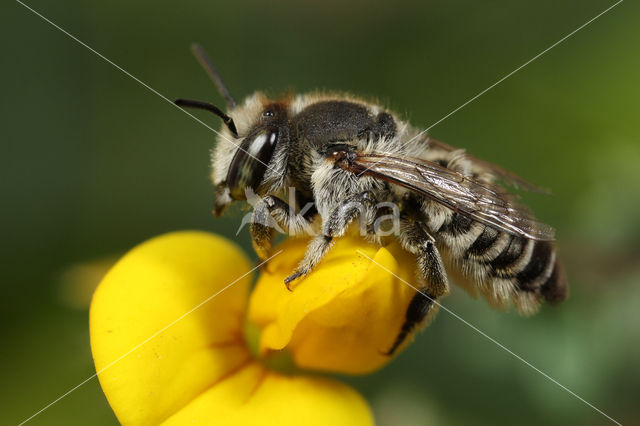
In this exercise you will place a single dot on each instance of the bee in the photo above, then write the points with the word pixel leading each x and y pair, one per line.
pixel 343 155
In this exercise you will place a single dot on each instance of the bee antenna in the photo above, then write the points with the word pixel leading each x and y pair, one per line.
pixel 228 121
pixel 208 66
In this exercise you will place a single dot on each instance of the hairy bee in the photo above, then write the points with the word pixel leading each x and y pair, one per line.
pixel 343 156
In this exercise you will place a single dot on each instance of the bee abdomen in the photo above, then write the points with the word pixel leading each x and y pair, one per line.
pixel 489 245
pixel 513 258
pixel 457 225
pixel 555 289
pixel 459 232
pixel 539 268
pixel 516 268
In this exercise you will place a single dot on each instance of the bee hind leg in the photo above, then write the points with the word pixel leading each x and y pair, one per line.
pixel 416 239
pixel 356 206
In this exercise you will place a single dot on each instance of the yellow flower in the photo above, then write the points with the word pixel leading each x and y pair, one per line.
pixel 159 360
pixel 343 316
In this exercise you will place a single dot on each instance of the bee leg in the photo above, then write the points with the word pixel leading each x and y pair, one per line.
pixel 415 239
pixel 272 214
pixel 316 250
pixel 359 205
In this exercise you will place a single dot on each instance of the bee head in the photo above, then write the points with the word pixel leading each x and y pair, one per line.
pixel 247 143
pixel 253 155
pixel 243 154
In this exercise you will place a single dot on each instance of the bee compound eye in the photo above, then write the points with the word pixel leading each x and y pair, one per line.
pixel 251 161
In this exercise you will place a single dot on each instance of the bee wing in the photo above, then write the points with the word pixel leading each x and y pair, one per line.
pixel 506 176
pixel 484 202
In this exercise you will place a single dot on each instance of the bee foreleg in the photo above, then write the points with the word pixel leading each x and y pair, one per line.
pixel 415 239
pixel 316 250
pixel 359 205
pixel 272 214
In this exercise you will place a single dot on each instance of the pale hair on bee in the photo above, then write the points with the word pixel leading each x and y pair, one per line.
pixel 346 156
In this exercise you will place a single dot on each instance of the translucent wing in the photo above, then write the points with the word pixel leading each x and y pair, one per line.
pixel 506 176
pixel 484 202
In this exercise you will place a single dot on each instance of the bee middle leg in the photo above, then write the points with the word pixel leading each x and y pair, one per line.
pixel 270 212
pixel 359 205
pixel 415 238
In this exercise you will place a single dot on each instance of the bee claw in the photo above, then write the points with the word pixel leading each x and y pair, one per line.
pixel 389 352
pixel 291 278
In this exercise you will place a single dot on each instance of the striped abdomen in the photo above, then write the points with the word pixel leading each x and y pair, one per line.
pixel 503 267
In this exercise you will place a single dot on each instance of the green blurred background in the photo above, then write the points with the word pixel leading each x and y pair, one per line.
pixel 93 163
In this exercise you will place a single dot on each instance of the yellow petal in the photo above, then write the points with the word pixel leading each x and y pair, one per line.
pixel 344 315
pixel 196 370
pixel 256 396
pixel 147 290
